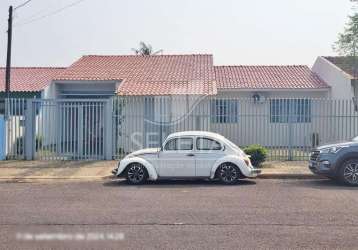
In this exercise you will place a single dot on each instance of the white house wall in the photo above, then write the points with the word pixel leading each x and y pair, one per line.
pixel 50 92
pixel 254 125
pixel 340 82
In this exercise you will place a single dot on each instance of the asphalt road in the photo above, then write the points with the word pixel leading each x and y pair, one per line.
pixel 276 214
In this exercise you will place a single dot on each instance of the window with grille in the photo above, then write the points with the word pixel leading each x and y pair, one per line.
pixel 290 110
pixel 224 111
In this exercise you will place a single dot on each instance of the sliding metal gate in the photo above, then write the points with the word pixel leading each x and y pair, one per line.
pixel 69 129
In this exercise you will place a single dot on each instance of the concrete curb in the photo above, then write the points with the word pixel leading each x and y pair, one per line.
pixel 261 176
pixel 54 178
pixel 290 176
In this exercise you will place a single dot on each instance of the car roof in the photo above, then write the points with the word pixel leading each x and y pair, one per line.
pixel 195 133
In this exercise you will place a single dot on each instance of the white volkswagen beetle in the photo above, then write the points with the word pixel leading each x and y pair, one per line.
pixel 190 154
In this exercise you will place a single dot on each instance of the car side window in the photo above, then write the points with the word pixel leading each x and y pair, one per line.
pixel 207 144
pixel 179 144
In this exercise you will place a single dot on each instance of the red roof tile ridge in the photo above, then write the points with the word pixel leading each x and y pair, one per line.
pixel 165 55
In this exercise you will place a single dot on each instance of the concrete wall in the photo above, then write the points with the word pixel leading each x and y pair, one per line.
pixel 340 82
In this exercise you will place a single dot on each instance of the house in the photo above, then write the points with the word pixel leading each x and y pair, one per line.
pixel 167 93
pixel 338 72
pixel 164 89
pixel 141 99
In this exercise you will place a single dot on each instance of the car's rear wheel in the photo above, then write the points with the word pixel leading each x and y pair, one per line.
pixel 136 174
pixel 348 173
pixel 228 173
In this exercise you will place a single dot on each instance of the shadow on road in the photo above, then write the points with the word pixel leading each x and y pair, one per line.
pixel 322 184
pixel 176 183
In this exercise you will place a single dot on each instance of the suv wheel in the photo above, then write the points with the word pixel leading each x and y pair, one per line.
pixel 348 173
pixel 136 174
pixel 228 173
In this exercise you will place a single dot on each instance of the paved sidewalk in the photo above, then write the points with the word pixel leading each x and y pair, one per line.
pixel 97 170
pixel 287 170
pixel 55 170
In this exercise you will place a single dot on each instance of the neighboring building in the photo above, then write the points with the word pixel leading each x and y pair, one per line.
pixel 27 82
pixel 338 72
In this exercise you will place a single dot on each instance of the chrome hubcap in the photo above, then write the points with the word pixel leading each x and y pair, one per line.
pixel 351 173
pixel 135 173
pixel 228 173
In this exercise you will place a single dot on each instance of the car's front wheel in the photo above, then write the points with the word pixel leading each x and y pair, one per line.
pixel 348 173
pixel 228 173
pixel 136 174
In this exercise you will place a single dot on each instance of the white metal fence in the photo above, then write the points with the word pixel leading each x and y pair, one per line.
pixel 289 128
pixel 15 128
pixel 106 129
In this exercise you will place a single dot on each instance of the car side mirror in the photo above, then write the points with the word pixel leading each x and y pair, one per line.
pixel 223 148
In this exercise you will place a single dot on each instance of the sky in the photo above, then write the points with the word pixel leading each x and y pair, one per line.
pixel 236 32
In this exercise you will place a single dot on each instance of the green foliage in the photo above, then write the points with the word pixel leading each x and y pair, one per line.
pixel 257 152
pixel 347 43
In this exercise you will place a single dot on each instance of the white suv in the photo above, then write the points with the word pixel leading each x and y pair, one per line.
pixel 190 154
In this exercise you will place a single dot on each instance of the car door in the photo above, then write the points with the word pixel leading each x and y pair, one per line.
pixel 177 158
pixel 208 151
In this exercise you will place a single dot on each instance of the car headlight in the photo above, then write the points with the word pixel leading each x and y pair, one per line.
pixel 330 150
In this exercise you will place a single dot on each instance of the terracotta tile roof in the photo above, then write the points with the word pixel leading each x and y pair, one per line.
pixel 345 63
pixel 148 75
pixel 165 75
pixel 29 79
pixel 267 77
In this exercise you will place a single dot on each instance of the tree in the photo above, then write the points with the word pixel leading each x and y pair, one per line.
pixel 145 50
pixel 347 43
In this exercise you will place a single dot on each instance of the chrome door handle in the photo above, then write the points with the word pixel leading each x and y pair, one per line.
pixel 190 155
